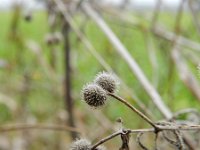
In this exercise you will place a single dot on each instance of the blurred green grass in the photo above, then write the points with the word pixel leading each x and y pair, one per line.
pixel 43 100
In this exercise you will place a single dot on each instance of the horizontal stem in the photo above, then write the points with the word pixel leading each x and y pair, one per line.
pixel 141 130
pixel 179 127
pixel 161 128
pixel 18 127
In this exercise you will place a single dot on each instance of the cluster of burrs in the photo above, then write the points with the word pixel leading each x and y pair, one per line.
pixel 105 84
pixel 95 93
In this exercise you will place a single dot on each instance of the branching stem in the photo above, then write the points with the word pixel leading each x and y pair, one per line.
pixel 143 116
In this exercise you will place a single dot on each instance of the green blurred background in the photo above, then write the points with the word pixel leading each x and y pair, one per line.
pixel 43 100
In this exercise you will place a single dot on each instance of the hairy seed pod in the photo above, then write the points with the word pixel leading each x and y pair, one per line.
pixel 81 144
pixel 94 95
pixel 107 81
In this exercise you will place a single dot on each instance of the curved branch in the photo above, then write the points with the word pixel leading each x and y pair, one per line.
pixel 106 139
pixel 134 109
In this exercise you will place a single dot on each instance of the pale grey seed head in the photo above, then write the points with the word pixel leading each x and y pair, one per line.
pixel 81 144
pixel 107 81
pixel 94 95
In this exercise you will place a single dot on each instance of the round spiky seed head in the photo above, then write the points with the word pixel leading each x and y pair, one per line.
pixel 94 95
pixel 107 81
pixel 81 144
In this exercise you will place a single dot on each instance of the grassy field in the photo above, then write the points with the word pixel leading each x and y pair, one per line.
pixel 44 100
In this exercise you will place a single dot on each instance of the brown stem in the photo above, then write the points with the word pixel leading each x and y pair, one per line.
pixel 19 127
pixel 179 127
pixel 160 128
pixel 134 109
pixel 68 87
pixel 106 139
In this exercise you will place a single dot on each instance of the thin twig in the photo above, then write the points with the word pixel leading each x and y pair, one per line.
pixel 156 141
pixel 185 111
pixel 138 139
pixel 180 141
pixel 156 13
pixel 134 109
pixel 171 141
pixel 194 14
pixel 119 133
pixel 184 72
pixel 141 130
pixel 106 139
pixel 179 127
pixel 158 30
pixel 125 140
pixel 133 131
pixel 19 127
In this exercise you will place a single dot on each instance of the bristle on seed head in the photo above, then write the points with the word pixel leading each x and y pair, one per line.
pixel 94 95
pixel 84 144
pixel 107 81
pixel 81 144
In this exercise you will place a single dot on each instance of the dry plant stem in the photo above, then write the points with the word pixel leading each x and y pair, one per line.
pixel 19 127
pixel 161 128
pixel 134 109
pixel 125 141
pixel 141 130
pixel 184 72
pixel 185 111
pixel 194 14
pixel 156 13
pixel 68 77
pixel 179 127
pixel 119 133
pixel 138 139
pixel 156 141
pixel 106 139
pixel 158 30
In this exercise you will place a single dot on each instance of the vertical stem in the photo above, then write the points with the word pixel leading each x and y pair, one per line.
pixel 68 97
pixel 24 110
pixel 156 14
pixel 125 141
pixel 15 20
